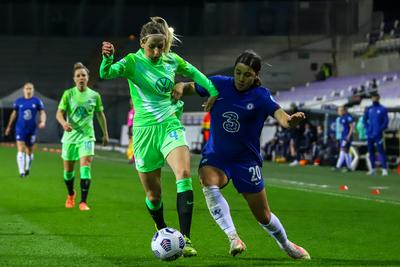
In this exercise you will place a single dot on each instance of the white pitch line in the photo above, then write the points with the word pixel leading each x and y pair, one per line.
pixel 379 187
pixel 296 183
pixel 337 195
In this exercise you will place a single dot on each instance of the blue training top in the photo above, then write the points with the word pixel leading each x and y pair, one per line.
pixel 376 120
pixel 27 110
pixel 345 120
pixel 237 119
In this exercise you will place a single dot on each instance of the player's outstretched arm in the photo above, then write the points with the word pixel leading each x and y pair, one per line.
pixel 101 118
pixel 108 70
pixel 183 89
pixel 13 116
pixel 42 121
pixel 60 118
pixel 288 121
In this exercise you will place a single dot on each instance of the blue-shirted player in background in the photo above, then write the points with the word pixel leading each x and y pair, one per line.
pixel 376 121
pixel 25 110
pixel 346 123
pixel 233 150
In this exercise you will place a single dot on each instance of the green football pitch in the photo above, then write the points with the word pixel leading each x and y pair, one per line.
pixel 349 228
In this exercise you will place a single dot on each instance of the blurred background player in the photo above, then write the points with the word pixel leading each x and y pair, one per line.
pixel 347 126
pixel 376 121
pixel 233 150
pixel 158 133
pixel 129 151
pixel 205 129
pixel 78 105
pixel 296 137
pixel 25 111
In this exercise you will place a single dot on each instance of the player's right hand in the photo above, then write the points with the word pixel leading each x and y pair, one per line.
pixel 177 92
pixel 107 49
pixel 67 127
pixel 8 131
pixel 209 103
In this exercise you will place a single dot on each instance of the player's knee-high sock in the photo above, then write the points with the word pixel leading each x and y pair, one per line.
pixel 184 204
pixel 156 210
pixel 85 182
pixel 382 155
pixel 29 159
pixel 371 152
pixel 219 209
pixel 21 162
pixel 275 229
pixel 69 178
pixel 348 160
pixel 341 159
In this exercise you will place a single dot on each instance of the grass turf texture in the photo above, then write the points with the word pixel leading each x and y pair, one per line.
pixel 351 228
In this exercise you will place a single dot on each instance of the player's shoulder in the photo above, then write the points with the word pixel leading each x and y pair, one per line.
pixel 263 92
pixel 221 80
pixel 93 91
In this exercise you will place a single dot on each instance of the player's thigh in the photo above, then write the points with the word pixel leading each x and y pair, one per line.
pixel 21 147
pixel 146 148
pixel 179 161
pixel 69 165
pixel 86 160
pixel 210 176
pixel 258 205
pixel 151 182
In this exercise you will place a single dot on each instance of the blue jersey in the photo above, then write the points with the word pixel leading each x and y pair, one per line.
pixel 345 121
pixel 237 119
pixel 376 120
pixel 27 110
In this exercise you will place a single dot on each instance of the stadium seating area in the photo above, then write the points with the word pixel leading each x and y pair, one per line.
pixel 382 40
pixel 337 90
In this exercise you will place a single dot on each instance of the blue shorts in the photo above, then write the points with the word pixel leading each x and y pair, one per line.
pixel 28 137
pixel 246 175
pixel 345 144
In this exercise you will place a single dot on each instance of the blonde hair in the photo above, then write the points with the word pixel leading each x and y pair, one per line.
pixel 158 26
pixel 78 66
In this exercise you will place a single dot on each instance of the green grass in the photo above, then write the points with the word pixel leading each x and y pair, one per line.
pixel 349 228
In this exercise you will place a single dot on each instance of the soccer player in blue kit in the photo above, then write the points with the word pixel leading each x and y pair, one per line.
pixel 346 123
pixel 376 121
pixel 25 110
pixel 233 150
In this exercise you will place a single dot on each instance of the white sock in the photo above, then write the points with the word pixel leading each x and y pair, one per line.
pixel 21 162
pixel 275 229
pixel 219 209
pixel 29 159
pixel 348 160
pixel 341 159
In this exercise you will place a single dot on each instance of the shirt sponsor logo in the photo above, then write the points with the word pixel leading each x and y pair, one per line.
pixel 164 85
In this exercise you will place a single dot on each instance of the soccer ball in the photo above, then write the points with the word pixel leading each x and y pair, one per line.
pixel 167 244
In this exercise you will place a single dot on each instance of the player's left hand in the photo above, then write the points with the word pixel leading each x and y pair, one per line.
pixel 177 91
pixel 295 119
pixel 209 103
pixel 42 125
pixel 105 140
